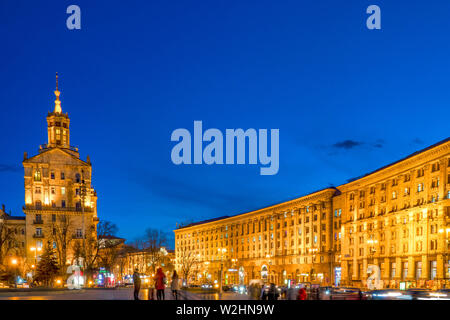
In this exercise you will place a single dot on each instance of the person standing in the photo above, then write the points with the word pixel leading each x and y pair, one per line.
pixel 302 294
pixel 273 294
pixel 160 279
pixel 137 284
pixel 175 285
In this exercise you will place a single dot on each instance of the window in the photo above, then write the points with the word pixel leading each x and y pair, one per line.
pixel 63 190
pixel 420 187
pixel 37 190
pixel 52 175
pixel 433 269
pixel 405 270
pixel 37 175
pixel 53 217
pixel 418 270
pixel 53 190
pixel 393 269
pixel 435 167
pixel 420 173
pixel 63 203
pixel 63 176
pixel 39 231
pixel 77 178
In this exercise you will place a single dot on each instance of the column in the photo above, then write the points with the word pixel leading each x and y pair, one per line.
pixel 355 270
pixel 411 268
pixel 399 268
pixel 344 271
pixel 387 269
pixel 363 276
pixel 425 268
pixel 440 267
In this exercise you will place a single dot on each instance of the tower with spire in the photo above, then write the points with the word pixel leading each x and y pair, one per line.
pixel 58 124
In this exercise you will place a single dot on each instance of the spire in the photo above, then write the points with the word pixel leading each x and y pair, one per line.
pixel 57 101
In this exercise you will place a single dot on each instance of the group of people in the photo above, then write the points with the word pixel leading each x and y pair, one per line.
pixel 270 292
pixel 159 283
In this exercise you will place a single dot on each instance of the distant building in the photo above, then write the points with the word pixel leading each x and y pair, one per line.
pixel 13 239
pixel 146 262
pixel 396 218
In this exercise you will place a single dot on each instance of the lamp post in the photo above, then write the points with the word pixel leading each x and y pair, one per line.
pixel 313 251
pixel 372 248
pixel 35 250
pixel 14 263
pixel 222 251
pixel 234 262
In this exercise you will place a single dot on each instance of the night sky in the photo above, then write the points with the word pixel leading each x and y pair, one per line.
pixel 347 100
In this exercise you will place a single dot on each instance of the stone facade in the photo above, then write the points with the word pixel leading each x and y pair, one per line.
pixel 396 218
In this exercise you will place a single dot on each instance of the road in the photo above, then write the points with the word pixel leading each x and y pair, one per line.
pixel 109 294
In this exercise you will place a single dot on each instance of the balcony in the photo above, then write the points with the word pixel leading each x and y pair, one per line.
pixel 39 221
pixel 29 207
pixel 38 236
pixel 77 236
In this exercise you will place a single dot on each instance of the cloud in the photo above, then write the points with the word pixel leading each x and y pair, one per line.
pixel 347 144
pixel 9 168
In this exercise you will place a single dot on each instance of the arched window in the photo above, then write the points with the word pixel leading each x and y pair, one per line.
pixel 77 178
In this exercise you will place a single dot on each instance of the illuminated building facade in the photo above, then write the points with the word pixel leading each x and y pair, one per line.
pixel 287 241
pixel 60 202
pixel 396 218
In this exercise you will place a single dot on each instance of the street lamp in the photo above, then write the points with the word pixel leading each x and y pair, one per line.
pixel 14 263
pixel 222 251
pixel 35 250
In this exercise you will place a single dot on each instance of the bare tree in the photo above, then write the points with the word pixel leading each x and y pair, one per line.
pixel 61 234
pixel 89 249
pixel 187 261
pixel 8 240
pixel 154 241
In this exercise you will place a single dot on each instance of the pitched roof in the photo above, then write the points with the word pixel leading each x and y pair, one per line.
pixel 61 150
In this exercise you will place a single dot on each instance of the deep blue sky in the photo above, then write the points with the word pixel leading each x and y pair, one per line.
pixel 137 70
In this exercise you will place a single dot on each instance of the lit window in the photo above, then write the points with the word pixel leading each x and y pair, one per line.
pixel 37 176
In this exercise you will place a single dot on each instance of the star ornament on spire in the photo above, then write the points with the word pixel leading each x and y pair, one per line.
pixel 57 101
